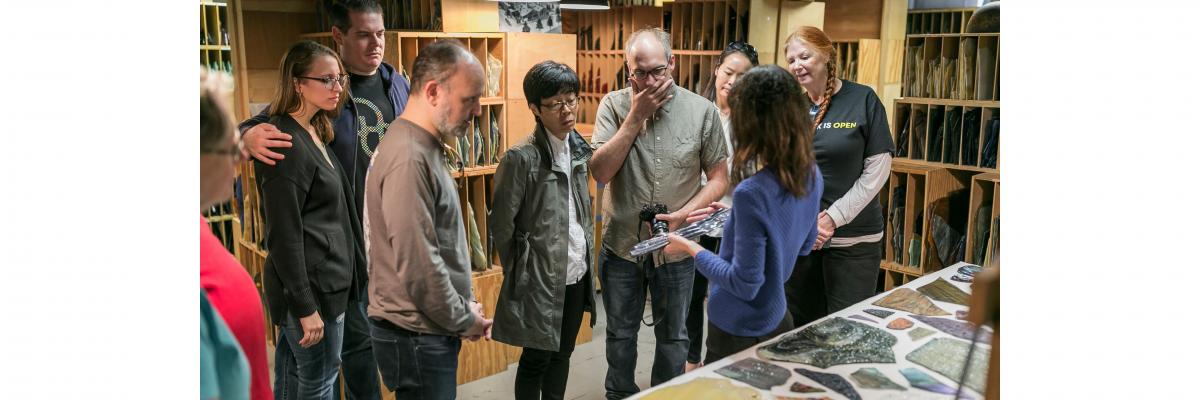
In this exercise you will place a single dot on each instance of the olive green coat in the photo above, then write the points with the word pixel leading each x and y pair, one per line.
pixel 528 225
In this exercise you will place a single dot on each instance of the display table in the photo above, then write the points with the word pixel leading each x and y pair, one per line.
pixel 903 347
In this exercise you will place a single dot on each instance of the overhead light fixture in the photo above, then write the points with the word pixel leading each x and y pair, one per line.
pixel 584 4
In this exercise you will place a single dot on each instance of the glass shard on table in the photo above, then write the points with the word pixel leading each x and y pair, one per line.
pixel 798 387
pixel 969 269
pixel 921 380
pixel 943 290
pixel 920 333
pixel 961 278
pixel 871 378
pixel 959 329
pixel 705 389
pixel 908 300
pixel 757 373
pixel 831 381
pixel 879 313
pixel 900 324
pixel 862 318
pixel 947 356
pixel 831 342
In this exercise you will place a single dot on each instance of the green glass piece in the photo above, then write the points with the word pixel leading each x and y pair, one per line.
pixel 947 356
pixel 871 378
pixel 919 333
pixel 831 342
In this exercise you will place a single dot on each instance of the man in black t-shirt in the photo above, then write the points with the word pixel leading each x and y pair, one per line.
pixel 378 95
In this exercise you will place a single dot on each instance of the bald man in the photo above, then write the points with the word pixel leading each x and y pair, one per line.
pixel 652 142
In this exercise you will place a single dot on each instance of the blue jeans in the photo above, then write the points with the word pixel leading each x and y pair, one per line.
pixel 415 365
pixel 624 287
pixel 307 373
pixel 358 362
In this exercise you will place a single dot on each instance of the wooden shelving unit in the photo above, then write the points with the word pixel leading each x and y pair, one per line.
pixel 984 212
pixel 858 61
pixel 946 129
pixel 215 49
pixel 916 193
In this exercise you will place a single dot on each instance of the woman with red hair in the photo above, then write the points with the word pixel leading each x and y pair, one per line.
pixel 854 150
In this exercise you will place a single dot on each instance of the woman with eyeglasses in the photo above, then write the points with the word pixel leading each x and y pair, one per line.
pixel 313 245
pixel 233 349
pixel 734 62
pixel 541 223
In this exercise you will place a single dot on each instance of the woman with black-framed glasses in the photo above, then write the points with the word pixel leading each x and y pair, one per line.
pixel 315 258
pixel 541 223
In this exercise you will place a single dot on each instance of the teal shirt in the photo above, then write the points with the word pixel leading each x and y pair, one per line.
pixel 224 372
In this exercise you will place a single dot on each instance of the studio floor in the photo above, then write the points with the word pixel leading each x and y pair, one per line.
pixel 588 367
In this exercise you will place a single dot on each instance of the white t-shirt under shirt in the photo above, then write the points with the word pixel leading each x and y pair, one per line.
pixel 576 267
pixel 727 199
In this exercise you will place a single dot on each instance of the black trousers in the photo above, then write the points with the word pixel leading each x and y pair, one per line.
pixel 695 317
pixel 721 344
pixel 543 374
pixel 829 280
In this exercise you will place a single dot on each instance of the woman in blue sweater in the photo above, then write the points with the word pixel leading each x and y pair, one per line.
pixel 774 214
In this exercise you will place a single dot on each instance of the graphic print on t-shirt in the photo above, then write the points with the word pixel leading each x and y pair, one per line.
pixel 371 125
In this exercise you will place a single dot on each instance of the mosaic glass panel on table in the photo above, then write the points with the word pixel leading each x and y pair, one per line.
pixel 831 342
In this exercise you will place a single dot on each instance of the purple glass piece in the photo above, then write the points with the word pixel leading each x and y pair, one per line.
pixel 959 329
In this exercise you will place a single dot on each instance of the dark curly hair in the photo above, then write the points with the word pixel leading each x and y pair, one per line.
pixel 768 130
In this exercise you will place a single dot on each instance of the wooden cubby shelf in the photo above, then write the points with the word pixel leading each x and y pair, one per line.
pixel 914 195
pixel 955 134
pixel 858 61
pixel 938 21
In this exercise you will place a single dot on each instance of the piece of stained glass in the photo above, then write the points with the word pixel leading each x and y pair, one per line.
pixel 871 378
pixel 900 324
pixel 969 269
pixel 831 381
pixel 959 329
pixel 879 313
pixel 705 389
pixel 962 278
pixel 757 373
pixel 834 341
pixel 943 290
pixel 920 333
pixel 802 388
pixel 947 356
pixel 921 380
pixel 862 318
pixel 908 300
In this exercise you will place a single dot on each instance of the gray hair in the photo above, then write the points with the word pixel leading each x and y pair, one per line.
pixel 662 36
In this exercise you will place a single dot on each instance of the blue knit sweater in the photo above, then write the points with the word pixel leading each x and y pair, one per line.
pixel 768 229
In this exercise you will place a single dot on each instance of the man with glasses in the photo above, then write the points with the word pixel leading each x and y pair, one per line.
pixel 541 223
pixel 378 95
pixel 652 142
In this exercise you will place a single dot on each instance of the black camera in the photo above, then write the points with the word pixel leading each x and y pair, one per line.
pixel 657 227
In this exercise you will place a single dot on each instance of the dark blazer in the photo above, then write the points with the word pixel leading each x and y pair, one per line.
pixel 315 258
